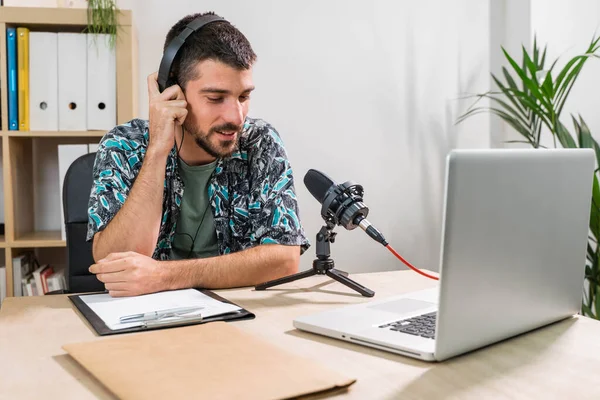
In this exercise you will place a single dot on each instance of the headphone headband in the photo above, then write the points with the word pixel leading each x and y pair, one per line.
pixel 164 71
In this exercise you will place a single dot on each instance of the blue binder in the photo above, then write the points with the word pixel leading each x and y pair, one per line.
pixel 11 48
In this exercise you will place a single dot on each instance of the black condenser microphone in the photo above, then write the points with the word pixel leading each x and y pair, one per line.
pixel 341 204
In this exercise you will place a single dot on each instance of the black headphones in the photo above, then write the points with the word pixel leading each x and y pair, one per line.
pixel 165 79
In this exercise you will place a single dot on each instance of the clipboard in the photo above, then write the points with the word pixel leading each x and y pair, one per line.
pixel 103 330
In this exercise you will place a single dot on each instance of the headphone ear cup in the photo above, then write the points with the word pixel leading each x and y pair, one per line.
pixel 170 82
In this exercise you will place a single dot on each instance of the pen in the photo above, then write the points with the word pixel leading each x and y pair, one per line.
pixel 154 315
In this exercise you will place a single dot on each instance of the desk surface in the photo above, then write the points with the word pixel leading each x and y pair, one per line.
pixel 560 361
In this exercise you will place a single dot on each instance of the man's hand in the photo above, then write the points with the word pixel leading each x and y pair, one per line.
pixel 167 114
pixel 129 274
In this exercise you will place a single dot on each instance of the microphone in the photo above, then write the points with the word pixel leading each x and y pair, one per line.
pixel 341 204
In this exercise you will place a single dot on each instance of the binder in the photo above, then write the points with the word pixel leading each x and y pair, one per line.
pixel 23 76
pixel 72 91
pixel 11 55
pixel 43 81
pixel 30 3
pixel 102 329
pixel 101 83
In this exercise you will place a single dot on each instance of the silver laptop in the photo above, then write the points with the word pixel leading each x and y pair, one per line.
pixel 513 255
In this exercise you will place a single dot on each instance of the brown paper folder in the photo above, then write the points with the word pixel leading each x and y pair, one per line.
pixel 212 361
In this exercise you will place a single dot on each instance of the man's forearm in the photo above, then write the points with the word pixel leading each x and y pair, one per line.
pixel 136 225
pixel 245 268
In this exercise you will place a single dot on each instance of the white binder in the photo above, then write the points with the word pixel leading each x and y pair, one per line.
pixel 72 87
pixel 30 3
pixel 43 81
pixel 101 83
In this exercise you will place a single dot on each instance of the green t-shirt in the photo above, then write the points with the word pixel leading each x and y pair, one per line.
pixel 196 218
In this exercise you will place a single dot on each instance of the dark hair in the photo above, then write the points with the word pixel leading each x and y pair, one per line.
pixel 218 41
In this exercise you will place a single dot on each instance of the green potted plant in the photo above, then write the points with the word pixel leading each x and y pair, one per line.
pixel 102 18
pixel 531 97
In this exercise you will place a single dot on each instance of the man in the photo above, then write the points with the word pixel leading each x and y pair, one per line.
pixel 200 195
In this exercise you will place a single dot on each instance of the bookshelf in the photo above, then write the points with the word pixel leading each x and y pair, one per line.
pixel 17 147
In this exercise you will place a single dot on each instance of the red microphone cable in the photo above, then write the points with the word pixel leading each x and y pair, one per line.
pixel 378 237
pixel 409 265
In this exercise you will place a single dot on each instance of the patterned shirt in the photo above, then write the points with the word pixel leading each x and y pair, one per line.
pixel 251 192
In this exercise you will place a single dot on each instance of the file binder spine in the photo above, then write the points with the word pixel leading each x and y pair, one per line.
pixel 101 83
pixel 43 81
pixel 23 77
pixel 11 47
pixel 72 86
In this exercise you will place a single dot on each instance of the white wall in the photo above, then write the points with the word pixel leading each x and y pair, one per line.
pixel 363 91
pixel 510 28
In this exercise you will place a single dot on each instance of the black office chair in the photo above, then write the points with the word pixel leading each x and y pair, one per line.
pixel 76 194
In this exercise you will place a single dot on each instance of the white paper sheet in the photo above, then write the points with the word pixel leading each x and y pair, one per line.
pixel 110 309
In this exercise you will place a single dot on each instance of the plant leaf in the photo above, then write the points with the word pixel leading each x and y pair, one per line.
pixel 529 84
pixel 595 208
pixel 502 114
pixel 592 48
pixel 548 86
pixel 563 90
pixel 596 302
pixel 516 114
pixel 508 95
pixel 543 61
pixel 584 137
pixel 585 310
pixel 564 137
pixel 564 82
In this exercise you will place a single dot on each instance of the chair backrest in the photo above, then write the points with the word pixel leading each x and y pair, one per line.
pixel 76 193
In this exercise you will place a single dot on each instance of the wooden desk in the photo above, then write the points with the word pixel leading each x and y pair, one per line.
pixel 557 362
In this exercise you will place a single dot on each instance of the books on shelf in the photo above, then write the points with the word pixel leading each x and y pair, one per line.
pixel 22 269
pixel 31 279
pixel 43 280
pixel 60 81
pixel 57 281
pixel 40 275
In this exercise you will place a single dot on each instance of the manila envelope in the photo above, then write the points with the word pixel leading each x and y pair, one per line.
pixel 210 361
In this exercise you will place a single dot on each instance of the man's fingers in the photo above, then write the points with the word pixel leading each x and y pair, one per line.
pixel 175 114
pixel 153 90
pixel 112 277
pixel 117 286
pixel 107 267
pixel 179 114
pixel 172 93
pixel 173 104
pixel 120 293
pixel 117 256
pixel 180 94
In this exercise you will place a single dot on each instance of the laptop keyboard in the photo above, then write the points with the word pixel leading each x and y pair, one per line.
pixel 421 325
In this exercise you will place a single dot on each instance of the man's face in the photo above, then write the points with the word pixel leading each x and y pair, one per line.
pixel 217 106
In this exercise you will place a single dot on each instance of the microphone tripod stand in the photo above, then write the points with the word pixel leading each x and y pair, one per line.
pixel 322 265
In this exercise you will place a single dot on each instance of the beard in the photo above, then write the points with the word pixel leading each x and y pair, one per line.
pixel 218 148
